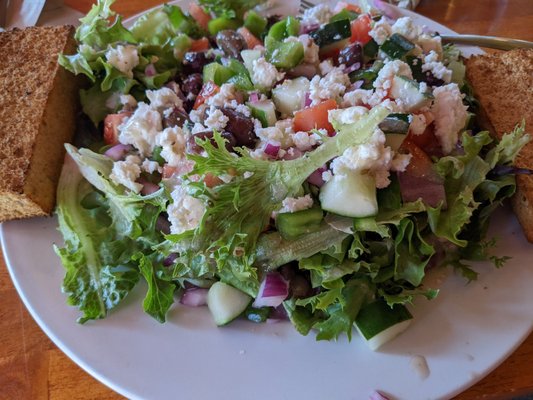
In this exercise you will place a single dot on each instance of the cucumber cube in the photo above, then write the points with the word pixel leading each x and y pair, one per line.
pixel 264 111
pixel 379 323
pixel 409 92
pixel 292 225
pixel 290 96
pixel 351 195
pixel 226 303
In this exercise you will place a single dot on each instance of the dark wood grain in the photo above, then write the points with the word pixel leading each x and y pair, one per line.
pixel 32 367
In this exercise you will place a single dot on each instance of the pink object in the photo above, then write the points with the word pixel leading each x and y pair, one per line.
pixel 413 188
pixel 118 151
pixel 306 28
pixel 150 70
pixel 148 187
pixel 387 10
pixel 316 177
pixel 307 100
pixel 354 67
pixel 307 70
pixel 375 395
pixel 272 149
pixel 278 313
pixel 273 290
pixel 254 97
pixel 194 297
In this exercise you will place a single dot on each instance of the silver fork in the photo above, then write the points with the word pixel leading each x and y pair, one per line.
pixel 493 42
pixel 305 5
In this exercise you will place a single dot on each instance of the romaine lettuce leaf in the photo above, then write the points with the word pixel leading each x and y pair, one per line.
pixel 160 295
pixel 98 274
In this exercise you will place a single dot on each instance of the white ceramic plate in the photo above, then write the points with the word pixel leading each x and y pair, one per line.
pixel 463 334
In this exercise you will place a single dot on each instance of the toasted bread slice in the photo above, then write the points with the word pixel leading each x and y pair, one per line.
pixel 38 105
pixel 503 84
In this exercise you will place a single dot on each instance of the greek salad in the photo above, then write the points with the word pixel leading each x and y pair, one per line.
pixel 305 167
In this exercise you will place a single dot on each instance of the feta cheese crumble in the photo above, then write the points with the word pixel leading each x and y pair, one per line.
pixel 310 49
pixel 305 141
pixel 185 212
pixel 128 101
pixel 428 43
pixel 216 119
pixel 126 172
pixel 326 67
pixel 357 97
pixel 163 99
pixel 294 204
pixel 417 124
pixel 406 27
pixel 331 86
pixel 347 115
pixel 264 74
pixel 123 58
pixel 386 74
pixel 450 115
pixel 319 14
pixel 372 157
pixel 437 68
pixel 226 94
pixel 141 129
pixel 381 31
pixel 173 143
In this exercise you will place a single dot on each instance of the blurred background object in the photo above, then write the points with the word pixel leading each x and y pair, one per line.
pixel 409 4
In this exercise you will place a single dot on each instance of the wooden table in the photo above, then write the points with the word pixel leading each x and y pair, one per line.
pixel 32 367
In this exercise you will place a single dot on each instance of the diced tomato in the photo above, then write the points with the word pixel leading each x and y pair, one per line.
pixel 353 7
pixel 199 15
pixel 199 44
pixel 427 141
pixel 168 171
pixel 360 28
pixel 111 124
pixel 420 180
pixel 209 89
pixel 212 180
pixel 420 165
pixel 342 5
pixel 251 40
pixel 332 50
pixel 314 117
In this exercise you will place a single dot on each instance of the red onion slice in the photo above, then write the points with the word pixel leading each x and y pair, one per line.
pixel 254 97
pixel 194 297
pixel 356 85
pixel 148 187
pixel 307 99
pixel 306 70
pixel 387 10
pixel 118 151
pixel 150 70
pixel 167 262
pixel 306 28
pixel 162 224
pixel 375 395
pixel 354 67
pixel 272 149
pixel 273 290
pixel 316 177
pixel 278 313
pixel 412 188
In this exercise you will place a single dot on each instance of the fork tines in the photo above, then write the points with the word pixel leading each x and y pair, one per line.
pixel 305 5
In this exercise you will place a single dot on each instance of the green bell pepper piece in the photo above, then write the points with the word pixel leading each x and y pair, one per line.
pixel 255 23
